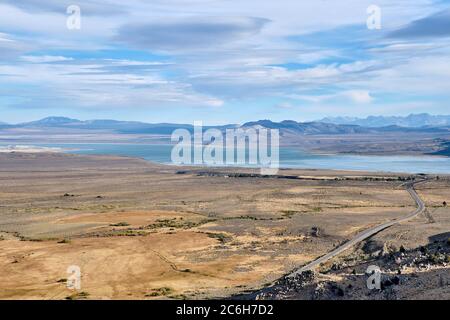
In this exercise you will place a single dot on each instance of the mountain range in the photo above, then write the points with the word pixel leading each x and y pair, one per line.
pixel 411 121
pixel 341 125
pixel 107 125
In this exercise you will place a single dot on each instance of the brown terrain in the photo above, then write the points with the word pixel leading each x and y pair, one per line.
pixel 139 230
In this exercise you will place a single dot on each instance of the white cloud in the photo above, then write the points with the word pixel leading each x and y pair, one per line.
pixel 285 105
pixel 354 96
pixel 44 59
pixel 90 85
pixel 359 96
pixel 4 37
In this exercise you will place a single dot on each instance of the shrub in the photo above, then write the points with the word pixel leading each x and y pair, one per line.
pixel 219 236
pixel 120 224
pixel 164 291
pixel 79 295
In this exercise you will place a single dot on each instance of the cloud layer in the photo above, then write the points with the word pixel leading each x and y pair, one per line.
pixel 216 61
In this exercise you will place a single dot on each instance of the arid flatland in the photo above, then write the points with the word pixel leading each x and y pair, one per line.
pixel 140 230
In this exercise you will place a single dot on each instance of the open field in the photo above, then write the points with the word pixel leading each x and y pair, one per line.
pixel 144 231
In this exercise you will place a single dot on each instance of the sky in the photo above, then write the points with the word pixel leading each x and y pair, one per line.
pixel 223 61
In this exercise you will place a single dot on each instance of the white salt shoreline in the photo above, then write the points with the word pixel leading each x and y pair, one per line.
pixel 28 149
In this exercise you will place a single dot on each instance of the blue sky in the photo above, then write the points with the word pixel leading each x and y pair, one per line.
pixel 222 61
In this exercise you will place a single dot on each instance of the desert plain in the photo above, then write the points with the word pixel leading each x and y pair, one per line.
pixel 139 230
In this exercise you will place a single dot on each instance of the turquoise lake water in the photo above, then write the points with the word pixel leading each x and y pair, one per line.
pixel 289 158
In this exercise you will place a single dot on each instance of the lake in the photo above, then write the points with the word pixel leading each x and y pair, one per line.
pixel 289 158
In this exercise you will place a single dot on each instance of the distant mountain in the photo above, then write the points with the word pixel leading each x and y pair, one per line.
pixel 51 121
pixel 411 121
pixel 287 127
pixel 129 127
pixel 4 125
pixel 307 127
pixel 302 128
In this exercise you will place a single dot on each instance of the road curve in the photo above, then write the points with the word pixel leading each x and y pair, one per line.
pixel 367 233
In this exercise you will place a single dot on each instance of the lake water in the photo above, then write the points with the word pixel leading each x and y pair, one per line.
pixel 289 158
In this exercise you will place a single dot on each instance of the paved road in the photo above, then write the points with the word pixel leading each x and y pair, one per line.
pixel 369 232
